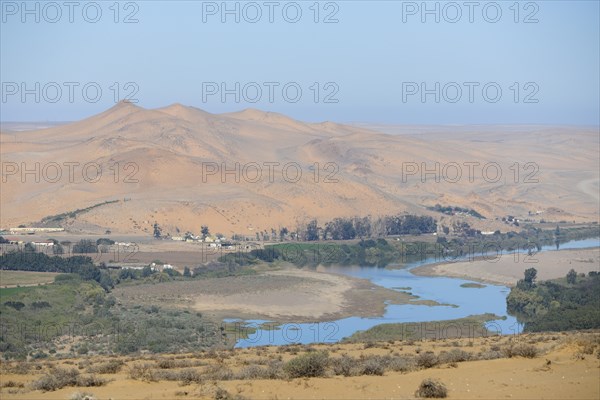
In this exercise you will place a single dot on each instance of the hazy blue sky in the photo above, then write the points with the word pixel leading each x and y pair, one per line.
pixel 373 60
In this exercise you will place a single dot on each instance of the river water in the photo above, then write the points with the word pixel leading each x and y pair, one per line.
pixel 460 302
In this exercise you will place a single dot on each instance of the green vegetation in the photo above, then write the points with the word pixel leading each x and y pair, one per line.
pixel 25 277
pixel 83 315
pixel 381 252
pixel 449 210
pixel 570 303
pixel 366 227
pixel 472 285
pixel 472 326
pixel 81 265
pixel 367 252
pixel 59 378
pixel 73 214
pixel 308 365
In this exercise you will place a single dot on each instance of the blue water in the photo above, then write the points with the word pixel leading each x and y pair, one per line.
pixel 462 302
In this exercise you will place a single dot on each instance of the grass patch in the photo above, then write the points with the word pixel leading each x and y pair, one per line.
pixel 10 278
pixel 472 285
pixel 457 328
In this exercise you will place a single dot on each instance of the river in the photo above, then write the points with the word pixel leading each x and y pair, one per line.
pixel 461 302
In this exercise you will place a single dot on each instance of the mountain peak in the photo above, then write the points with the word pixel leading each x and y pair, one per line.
pixel 125 105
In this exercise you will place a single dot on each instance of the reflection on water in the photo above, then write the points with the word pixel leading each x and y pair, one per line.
pixel 462 303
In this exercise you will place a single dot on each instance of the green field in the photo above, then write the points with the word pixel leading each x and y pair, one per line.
pixel 25 278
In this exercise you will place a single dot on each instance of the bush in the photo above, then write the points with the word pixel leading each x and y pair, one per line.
pixel 401 364
pixel 142 372
pixel 427 360
pixel 56 379
pixel 454 356
pixel 110 367
pixel 90 381
pixel 168 363
pixel 431 388
pixel 11 384
pixel 521 350
pixel 82 396
pixel 218 373
pixel 373 366
pixel 189 376
pixel 307 365
pixel 345 366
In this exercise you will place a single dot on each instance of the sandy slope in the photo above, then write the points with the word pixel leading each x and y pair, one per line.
pixel 561 371
pixel 160 155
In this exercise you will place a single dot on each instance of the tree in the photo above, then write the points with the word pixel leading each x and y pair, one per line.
pixel 282 233
pixel 157 231
pixel 186 272
pixel 312 232
pixel 147 271
pixel 205 232
pixel 571 277
pixel 105 241
pixel 106 281
pixel 85 246
pixel 29 247
pixel 58 249
pixel 529 281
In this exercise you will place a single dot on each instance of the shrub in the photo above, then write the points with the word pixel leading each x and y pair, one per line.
pixel 82 396
pixel 56 379
pixel 307 365
pixel 454 356
pixel 345 366
pixel 373 366
pixel 11 384
pixel 401 364
pixel 431 388
pixel 167 363
pixel 251 372
pixel 143 372
pixel 427 360
pixel 274 370
pixel 90 381
pixel 110 367
pixel 521 350
pixel 218 373
pixel 189 376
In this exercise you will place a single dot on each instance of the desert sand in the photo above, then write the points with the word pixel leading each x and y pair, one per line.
pixel 567 367
pixel 507 269
pixel 158 164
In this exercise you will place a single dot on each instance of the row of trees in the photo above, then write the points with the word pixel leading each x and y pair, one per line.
pixel 365 227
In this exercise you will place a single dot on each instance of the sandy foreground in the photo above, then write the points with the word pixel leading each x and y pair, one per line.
pixel 509 268
pixel 288 294
pixel 562 370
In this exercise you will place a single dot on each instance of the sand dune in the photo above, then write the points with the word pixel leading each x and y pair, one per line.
pixel 168 164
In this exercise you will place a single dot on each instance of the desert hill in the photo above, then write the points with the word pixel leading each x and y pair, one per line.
pixel 168 163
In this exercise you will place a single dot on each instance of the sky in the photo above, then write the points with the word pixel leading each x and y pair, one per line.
pixel 390 62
